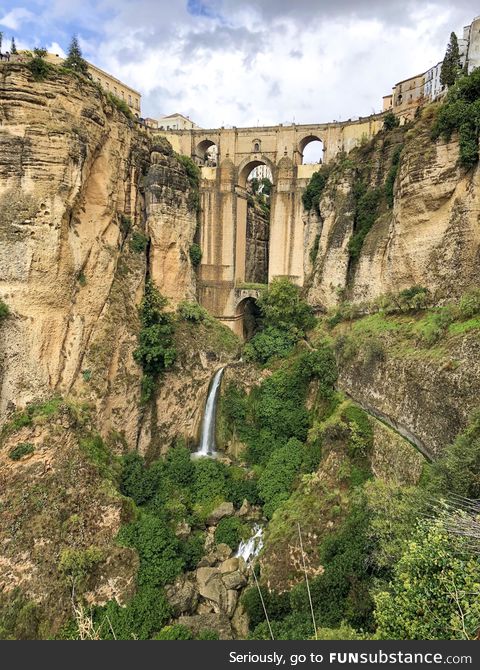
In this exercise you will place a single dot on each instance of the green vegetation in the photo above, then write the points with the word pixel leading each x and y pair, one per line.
pixel 192 311
pixel 390 121
pixel 119 104
pixel 461 113
pixel 20 618
pixel 138 242
pixel 76 565
pixel 230 531
pixel 193 174
pixel 195 253
pixel 314 190
pixel 155 351
pixel 392 175
pixel 286 319
pixel 367 201
pixel 432 593
pixel 38 66
pixel 4 311
pixel 451 66
pixel 22 449
pixel 74 60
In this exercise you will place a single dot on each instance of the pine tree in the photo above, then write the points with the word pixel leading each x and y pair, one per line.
pixel 1 40
pixel 451 65
pixel 13 47
pixel 74 60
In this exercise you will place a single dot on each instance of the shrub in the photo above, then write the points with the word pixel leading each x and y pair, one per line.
pixel 138 243
pixel 210 481
pixel 457 470
pixel 175 632
pixel 461 113
pixel 179 466
pixel 229 531
pixel 392 175
pixel 437 574
pixel 20 618
pixel 195 253
pixel 366 211
pixel 4 311
pixel 39 67
pixel 390 121
pixel 314 189
pixel 276 481
pixel 125 224
pixel 469 305
pixel 268 344
pixel 22 449
pixel 276 604
pixel 146 613
pixel 192 311
pixel 155 351
pixel 77 564
pixel 158 548
pixel 284 309
pixel 119 104
pixel 192 550
pixel 139 482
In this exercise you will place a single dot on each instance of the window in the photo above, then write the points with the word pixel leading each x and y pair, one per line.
pixel 130 100
pixel 256 147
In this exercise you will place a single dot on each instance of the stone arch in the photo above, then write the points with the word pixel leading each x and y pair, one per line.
pixel 204 154
pixel 247 314
pixel 248 164
pixel 308 139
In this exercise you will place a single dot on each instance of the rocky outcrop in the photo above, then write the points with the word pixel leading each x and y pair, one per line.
pixel 432 395
pixel 257 239
pixel 431 236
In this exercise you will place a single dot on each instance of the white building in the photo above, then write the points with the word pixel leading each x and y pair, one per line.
pixel 176 122
pixel 471 38
pixel 432 87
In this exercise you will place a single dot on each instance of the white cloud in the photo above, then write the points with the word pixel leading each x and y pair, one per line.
pixel 16 17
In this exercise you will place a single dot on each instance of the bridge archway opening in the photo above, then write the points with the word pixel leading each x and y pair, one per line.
pixel 206 153
pixel 257 180
pixel 250 315
pixel 311 149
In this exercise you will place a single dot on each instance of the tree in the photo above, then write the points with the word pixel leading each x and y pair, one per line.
pixel 74 60
pixel 13 47
pixel 390 121
pixel 451 65
pixel 434 591
pixel 1 40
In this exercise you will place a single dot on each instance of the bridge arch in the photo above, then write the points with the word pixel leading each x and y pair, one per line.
pixel 247 314
pixel 206 152
pixel 248 164
pixel 315 149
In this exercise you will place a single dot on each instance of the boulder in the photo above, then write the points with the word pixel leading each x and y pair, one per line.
pixel 234 580
pixel 211 587
pixel 232 599
pixel 182 596
pixel 230 565
pixel 183 530
pixel 220 512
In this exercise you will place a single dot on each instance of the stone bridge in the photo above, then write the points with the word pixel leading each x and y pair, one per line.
pixel 223 219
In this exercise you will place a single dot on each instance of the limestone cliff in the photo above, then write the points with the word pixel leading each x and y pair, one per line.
pixel 82 219
pixel 256 252
pixel 430 237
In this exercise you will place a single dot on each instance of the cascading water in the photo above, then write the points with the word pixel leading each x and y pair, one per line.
pixel 207 440
pixel 249 549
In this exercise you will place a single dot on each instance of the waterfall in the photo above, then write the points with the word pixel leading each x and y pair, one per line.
pixel 207 440
pixel 249 549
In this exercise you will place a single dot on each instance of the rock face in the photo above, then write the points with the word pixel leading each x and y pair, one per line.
pixel 431 236
pixel 433 397
pixel 80 194
pixel 258 235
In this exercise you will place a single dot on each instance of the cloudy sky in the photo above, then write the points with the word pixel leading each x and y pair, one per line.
pixel 248 62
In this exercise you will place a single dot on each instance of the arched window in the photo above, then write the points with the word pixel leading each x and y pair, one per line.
pixel 256 147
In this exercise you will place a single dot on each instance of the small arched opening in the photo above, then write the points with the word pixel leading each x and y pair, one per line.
pixel 249 313
pixel 311 149
pixel 206 153
pixel 257 179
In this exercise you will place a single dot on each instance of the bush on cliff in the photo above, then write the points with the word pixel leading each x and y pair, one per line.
pixel 461 113
pixel 155 351
pixel 4 311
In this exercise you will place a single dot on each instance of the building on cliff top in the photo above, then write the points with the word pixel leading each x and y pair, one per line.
pixel 176 122
pixel 109 83
pixel 410 93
